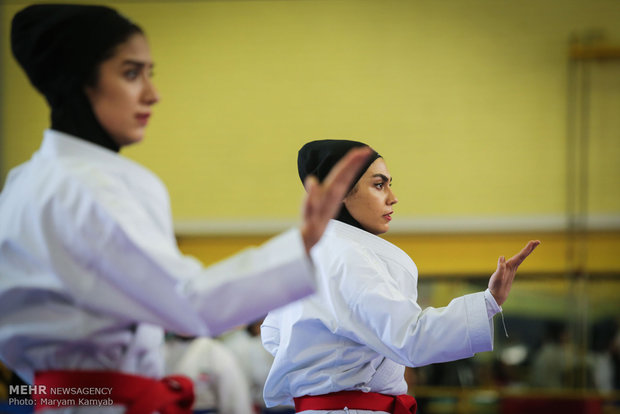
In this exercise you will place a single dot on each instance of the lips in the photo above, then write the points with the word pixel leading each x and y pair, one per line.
pixel 388 216
pixel 143 118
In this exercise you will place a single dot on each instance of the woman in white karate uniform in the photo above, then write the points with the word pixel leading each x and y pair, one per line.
pixel 90 273
pixel 348 345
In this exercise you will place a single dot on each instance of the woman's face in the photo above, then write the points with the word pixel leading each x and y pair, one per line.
pixel 124 92
pixel 370 201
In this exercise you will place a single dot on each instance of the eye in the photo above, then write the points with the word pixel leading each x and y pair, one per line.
pixel 379 186
pixel 131 74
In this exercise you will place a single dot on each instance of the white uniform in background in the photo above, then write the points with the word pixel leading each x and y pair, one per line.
pixel 364 325
pixel 254 360
pixel 220 385
pixel 91 275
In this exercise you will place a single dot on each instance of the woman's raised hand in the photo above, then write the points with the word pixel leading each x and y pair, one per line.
pixel 323 200
pixel 501 281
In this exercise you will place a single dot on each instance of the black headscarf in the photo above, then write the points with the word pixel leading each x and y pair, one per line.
pixel 319 157
pixel 60 47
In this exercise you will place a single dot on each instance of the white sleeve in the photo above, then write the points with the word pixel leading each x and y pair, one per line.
pixel 115 259
pixel 390 321
pixel 492 307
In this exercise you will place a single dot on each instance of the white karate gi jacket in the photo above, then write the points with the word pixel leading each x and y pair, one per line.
pixel 363 326
pixel 90 271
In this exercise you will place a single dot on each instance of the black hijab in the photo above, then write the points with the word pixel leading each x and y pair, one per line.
pixel 60 47
pixel 319 157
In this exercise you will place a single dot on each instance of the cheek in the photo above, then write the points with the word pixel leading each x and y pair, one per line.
pixel 363 204
pixel 107 114
pixel 376 206
pixel 112 105
pixel 117 98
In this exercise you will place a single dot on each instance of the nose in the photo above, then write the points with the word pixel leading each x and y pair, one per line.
pixel 150 94
pixel 391 199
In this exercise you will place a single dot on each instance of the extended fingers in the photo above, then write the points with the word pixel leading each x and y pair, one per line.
pixel 342 174
pixel 310 183
pixel 312 202
pixel 518 258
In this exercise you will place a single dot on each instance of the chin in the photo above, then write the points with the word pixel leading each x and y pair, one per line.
pixel 380 230
pixel 129 140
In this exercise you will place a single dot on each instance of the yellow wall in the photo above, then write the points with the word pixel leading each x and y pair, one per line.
pixel 465 99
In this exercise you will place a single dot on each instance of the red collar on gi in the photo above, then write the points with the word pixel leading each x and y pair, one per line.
pixel 170 395
pixel 357 400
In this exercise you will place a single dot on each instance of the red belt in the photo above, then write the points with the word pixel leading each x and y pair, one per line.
pixel 357 400
pixel 141 395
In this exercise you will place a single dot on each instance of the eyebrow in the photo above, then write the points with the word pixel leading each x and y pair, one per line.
pixel 138 63
pixel 383 178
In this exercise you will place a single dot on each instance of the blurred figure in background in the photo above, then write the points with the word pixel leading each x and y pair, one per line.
pixel 554 360
pixel 255 361
pixel 605 357
pixel 220 384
